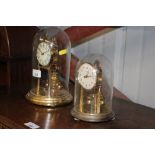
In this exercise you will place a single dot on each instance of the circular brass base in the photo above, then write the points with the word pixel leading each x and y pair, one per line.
pixel 92 117
pixel 58 100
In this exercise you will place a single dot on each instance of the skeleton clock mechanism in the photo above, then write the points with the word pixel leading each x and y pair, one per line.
pixel 93 89
pixel 50 78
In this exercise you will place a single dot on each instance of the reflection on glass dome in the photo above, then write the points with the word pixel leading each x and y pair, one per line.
pixel 93 89
pixel 50 68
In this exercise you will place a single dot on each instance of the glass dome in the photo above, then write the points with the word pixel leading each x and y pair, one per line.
pixel 50 68
pixel 93 89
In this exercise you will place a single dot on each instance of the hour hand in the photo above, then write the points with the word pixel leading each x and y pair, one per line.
pixel 87 76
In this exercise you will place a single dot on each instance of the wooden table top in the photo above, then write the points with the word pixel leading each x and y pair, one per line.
pixel 16 110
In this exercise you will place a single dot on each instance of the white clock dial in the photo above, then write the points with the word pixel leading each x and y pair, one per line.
pixel 87 76
pixel 44 54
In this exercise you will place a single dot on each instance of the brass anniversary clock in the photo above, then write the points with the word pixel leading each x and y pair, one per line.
pixel 93 89
pixel 50 68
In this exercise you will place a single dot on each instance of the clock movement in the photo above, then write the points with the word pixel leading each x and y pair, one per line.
pixel 93 89
pixel 50 68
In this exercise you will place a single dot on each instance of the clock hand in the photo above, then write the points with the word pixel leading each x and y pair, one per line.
pixel 42 53
pixel 87 76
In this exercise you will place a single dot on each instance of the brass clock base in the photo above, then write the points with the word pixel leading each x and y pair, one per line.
pixel 56 100
pixel 92 117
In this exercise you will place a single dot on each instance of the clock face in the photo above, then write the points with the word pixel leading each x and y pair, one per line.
pixel 87 76
pixel 44 54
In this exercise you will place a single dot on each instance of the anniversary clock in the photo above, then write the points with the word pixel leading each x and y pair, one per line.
pixel 50 68
pixel 93 89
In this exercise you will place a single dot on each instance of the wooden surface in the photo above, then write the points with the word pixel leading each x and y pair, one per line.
pixel 15 57
pixel 80 34
pixel 15 110
pixel 16 41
